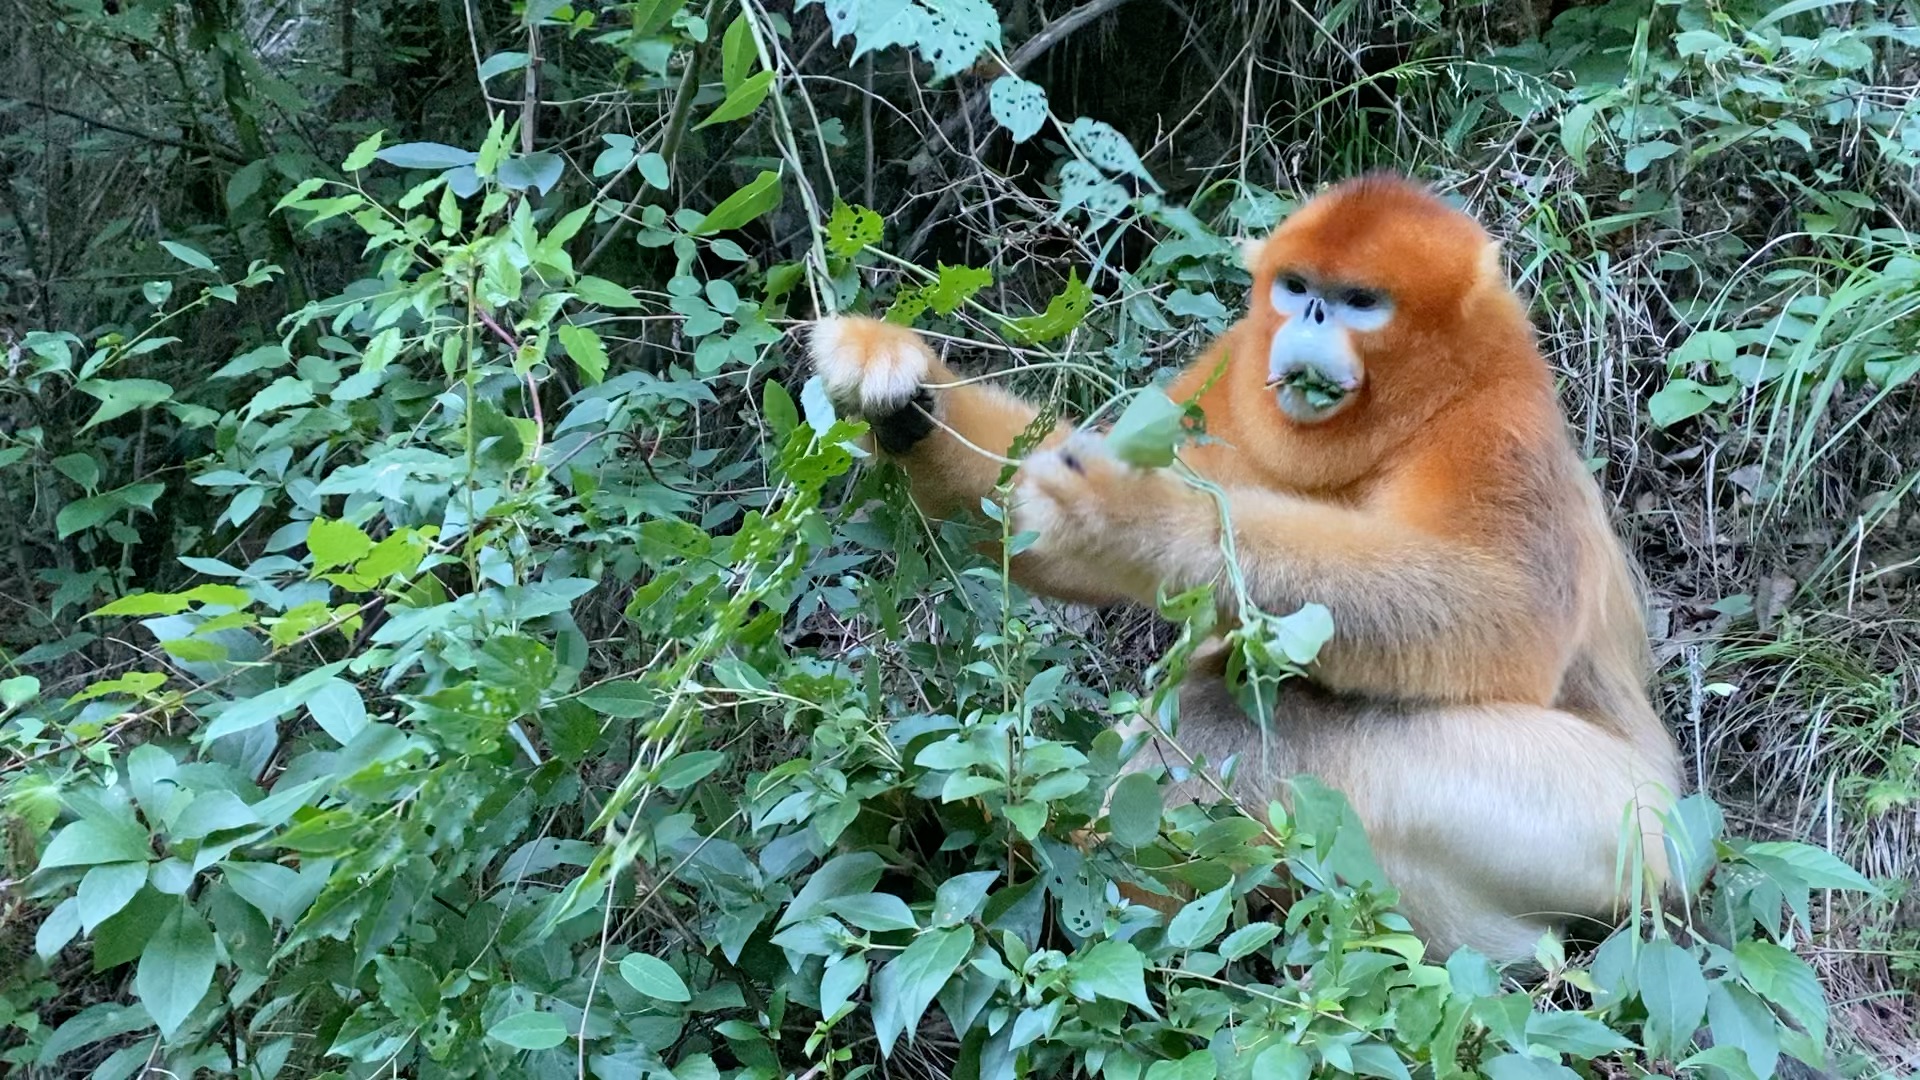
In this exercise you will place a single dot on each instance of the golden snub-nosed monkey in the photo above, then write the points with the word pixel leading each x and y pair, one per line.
pixel 1390 444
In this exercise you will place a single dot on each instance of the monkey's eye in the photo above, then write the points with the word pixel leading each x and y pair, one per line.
pixel 1362 300
pixel 1294 285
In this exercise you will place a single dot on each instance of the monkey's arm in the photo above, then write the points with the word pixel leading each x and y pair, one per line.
pixel 1416 612
pixel 948 439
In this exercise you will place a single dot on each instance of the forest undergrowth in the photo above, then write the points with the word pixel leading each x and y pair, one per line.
pixel 449 634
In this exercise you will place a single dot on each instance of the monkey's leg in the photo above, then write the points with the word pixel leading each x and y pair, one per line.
pixel 1496 823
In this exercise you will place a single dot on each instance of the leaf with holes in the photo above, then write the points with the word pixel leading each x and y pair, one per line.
pixel 955 286
pixel 851 229
pixel 1106 147
pixel 1019 106
pixel 1063 315
pixel 955 32
pixel 1082 187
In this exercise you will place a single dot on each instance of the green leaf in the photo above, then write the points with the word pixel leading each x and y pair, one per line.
pixel 1785 980
pixel 758 196
pixel 1639 157
pixel 530 1031
pixel 1249 939
pixel 362 155
pixel 1064 313
pixel 1199 921
pixel 843 978
pixel 336 543
pixel 1525 1067
pixel 1019 106
pixel 191 256
pixel 654 977
pixel 603 293
pixel 119 397
pixel 741 101
pixel 1282 1061
pixel 849 874
pixel 653 169
pixel 93 841
pixel 1816 867
pixel 685 770
pixel 175 969
pixel 1113 970
pixel 339 710
pixel 502 62
pixel 408 989
pixel 1106 147
pixel 1674 991
pixel 874 911
pixel 1739 1019
pixel 1133 815
pixel 908 983
pixel 142 604
pixel 624 699
pixel 1679 400
pixel 738 53
pixel 852 229
pixel 587 351
pixel 962 896
pixel 106 889
pixel 1146 434
pixel 18 690
pixel 427 155
pixel 1574 1033
pixel 955 286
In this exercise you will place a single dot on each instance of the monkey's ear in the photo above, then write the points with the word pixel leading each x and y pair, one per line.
pixel 1250 249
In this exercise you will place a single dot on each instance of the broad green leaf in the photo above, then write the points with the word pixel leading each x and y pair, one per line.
pixel 1201 920
pixel 408 989
pixel 654 977
pixel 1674 991
pixel 502 62
pixel 1785 980
pixel 194 650
pixel 1134 812
pixel 92 841
pixel 1282 1061
pixel 1106 147
pixel 191 256
pixel 1148 431
pixel 961 897
pixel 760 195
pixel 653 169
pixel 336 543
pixel 61 926
pixel 741 101
pixel 843 978
pixel 119 397
pixel 955 286
pixel 427 155
pixel 106 889
pixel 1816 867
pixel 338 709
pixel 738 53
pixel 1114 970
pixel 874 911
pixel 624 699
pixel 18 690
pixel 362 155
pixel 586 350
pixel 1525 1067
pixel 143 604
pixel 1739 1019
pixel 1574 1033
pixel 1019 106
pixel 603 293
pixel 908 983
pixel 687 769
pixel 851 874
pixel 1249 939
pixel 530 1031
pixel 176 968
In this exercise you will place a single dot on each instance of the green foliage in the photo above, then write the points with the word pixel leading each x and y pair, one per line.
pixel 529 676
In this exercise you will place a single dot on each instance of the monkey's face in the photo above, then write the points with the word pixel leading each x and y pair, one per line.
pixel 1355 288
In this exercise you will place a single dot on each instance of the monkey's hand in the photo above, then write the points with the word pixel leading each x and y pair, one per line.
pixel 1090 507
pixel 878 371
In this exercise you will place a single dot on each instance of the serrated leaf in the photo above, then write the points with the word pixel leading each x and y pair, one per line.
pixel 1815 867
pixel 1063 315
pixel 586 350
pixel 1785 980
pixel 1018 105
pixel 530 1031
pixel 654 977
pixel 851 229
pixel 408 989
pixel 176 968
pixel 362 155
pixel 191 256
pixel 741 101
pixel 955 286
pixel 1248 939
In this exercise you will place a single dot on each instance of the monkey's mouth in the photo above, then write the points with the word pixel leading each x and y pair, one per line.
pixel 1307 393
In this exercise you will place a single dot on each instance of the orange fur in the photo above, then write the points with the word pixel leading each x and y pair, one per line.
pixel 1483 701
